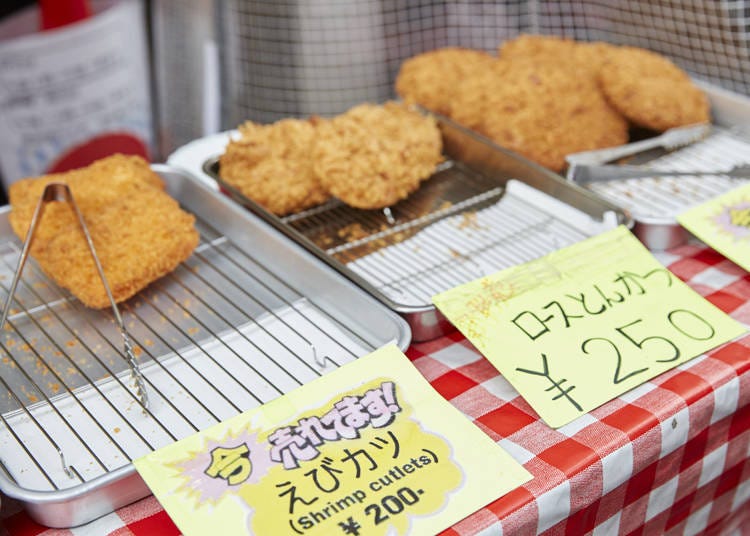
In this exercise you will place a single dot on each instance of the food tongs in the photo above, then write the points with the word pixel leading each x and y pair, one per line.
pixel 57 191
pixel 591 166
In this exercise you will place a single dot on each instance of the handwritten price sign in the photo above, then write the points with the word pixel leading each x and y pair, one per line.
pixel 585 324
pixel 724 224
pixel 352 453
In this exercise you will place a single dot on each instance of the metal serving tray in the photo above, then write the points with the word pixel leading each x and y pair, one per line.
pixel 655 202
pixel 485 209
pixel 247 318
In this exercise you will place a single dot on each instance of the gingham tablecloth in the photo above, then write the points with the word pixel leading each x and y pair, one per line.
pixel 671 456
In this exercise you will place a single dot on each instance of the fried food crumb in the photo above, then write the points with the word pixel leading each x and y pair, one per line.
pixel 352 232
pixel 469 221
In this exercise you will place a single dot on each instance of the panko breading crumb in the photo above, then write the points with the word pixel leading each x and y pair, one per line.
pixel 375 155
pixel 469 221
pixel 352 232
pixel 651 91
pixel 140 233
pixel 430 79
pixel 271 164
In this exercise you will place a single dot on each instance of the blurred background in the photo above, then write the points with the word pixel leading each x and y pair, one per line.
pixel 208 65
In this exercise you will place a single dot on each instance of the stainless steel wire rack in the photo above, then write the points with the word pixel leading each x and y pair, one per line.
pixel 473 231
pixel 225 332
pixel 484 209
pixel 285 58
pixel 293 58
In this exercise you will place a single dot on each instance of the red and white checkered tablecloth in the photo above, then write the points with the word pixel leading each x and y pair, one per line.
pixel 671 456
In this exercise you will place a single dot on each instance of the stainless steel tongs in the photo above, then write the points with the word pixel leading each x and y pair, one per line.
pixel 57 191
pixel 588 174
pixel 580 164
pixel 669 139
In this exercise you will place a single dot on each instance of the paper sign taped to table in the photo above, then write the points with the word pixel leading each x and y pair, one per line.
pixel 584 324
pixel 370 449
pixel 724 224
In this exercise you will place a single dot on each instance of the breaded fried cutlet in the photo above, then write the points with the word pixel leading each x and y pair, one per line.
pixel 100 183
pixel 375 155
pixel 430 79
pixel 535 46
pixel 140 233
pixel 651 91
pixel 542 110
pixel 472 97
pixel 586 58
pixel 271 164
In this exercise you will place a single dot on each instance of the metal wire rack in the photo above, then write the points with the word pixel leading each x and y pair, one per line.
pixel 291 58
pixel 459 226
pixel 220 335
pixel 294 58
pixel 482 210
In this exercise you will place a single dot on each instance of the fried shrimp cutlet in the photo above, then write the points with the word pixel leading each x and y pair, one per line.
pixel 429 79
pixel 651 91
pixel 541 110
pixel 373 156
pixel 272 165
pixel 140 233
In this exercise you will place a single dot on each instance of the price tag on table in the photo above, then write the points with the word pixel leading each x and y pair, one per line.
pixel 586 323
pixel 368 449
pixel 724 224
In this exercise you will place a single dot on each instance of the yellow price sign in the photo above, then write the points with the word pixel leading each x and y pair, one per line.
pixel 356 452
pixel 724 224
pixel 586 323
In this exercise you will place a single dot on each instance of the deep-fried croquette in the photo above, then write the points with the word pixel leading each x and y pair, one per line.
pixel 541 110
pixel 585 58
pixel 651 91
pixel 373 156
pixel 271 164
pixel 430 79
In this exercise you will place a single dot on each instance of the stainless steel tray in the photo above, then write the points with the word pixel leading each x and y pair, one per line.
pixel 468 220
pixel 654 203
pixel 248 317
